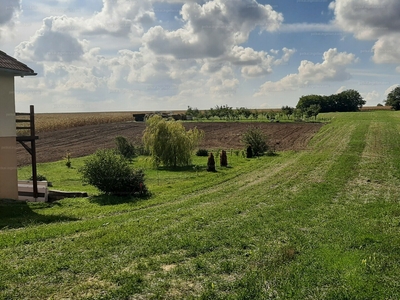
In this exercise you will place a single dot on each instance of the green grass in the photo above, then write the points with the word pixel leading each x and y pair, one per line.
pixel 317 224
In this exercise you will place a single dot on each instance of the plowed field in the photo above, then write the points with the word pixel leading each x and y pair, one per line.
pixel 85 140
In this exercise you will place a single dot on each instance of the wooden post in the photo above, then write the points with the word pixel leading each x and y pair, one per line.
pixel 33 147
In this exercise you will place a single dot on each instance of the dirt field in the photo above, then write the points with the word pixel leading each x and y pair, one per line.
pixel 85 140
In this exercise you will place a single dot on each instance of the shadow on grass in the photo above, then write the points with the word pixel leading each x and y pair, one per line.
pixel 191 169
pixel 104 199
pixel 180 169
pixel 17 214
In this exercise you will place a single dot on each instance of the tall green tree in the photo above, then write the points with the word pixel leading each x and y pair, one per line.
pixel 349 100
pixel 313 111
pixel 287 111
pixel 393 98
pixel 169 143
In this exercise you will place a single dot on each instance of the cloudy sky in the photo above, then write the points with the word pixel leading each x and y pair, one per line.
pixel 129 55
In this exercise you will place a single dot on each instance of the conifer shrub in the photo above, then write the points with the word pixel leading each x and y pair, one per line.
pixel 223 159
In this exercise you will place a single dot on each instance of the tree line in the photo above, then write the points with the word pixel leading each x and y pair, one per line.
pixel 346 101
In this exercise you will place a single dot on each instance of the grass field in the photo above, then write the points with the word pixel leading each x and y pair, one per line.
pixel 317 224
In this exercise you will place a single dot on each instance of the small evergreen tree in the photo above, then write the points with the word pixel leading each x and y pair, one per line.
pixel 223 159
pixel 211 163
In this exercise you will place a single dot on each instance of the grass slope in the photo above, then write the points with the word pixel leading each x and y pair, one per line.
pixel 317 224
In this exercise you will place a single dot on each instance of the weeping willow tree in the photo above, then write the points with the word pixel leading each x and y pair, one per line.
pixel 169 143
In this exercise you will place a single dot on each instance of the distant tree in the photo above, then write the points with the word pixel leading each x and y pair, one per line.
pixel 194 112
pixel 393 98
pixel 298 114
pixel 379 104
pixel 313 111
pixel 307 101
pixel 243 111
pixel 169 143
pixel 287 111
pixel 256 139
pixel 255 114
pixel 349 100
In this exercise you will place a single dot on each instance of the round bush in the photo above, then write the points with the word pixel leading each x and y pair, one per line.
pixel 111 174
pixel 202 152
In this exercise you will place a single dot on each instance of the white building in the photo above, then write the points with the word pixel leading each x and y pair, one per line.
pixel 9 68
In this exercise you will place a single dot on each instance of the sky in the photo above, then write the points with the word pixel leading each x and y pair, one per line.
pixel 148 55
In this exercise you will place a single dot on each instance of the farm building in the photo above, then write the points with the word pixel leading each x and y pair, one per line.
pixel 9 68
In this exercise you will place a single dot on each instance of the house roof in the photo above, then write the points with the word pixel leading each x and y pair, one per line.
pixel 10 65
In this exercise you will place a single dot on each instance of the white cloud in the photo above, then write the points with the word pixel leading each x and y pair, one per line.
pixel 333 68
pixel 341 89
pixel 212 29
pixel 390 89
pixel 52 42
pixel 372 98
pixel 9 14
pixel 9 10
pixel 309 27
pixel 121 18
pixel 257 63
pixel 372 20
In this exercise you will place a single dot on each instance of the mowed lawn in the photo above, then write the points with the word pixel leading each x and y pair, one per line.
pixel 317 224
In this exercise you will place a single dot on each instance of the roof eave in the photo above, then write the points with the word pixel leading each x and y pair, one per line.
pixel 17 72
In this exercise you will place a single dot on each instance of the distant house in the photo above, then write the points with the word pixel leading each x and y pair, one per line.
pixel 9 68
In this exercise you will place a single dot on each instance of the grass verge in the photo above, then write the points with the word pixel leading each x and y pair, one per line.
pixel 318 224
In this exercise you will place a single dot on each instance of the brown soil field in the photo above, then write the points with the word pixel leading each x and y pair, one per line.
pixel 85 140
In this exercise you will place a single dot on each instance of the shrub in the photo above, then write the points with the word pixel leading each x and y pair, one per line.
pixel 169 143
pixel 141 150
pixel 202 152
pixel 125 148
pixel 211 163
pixel 256 139
pixel 111 174
pixel 223 159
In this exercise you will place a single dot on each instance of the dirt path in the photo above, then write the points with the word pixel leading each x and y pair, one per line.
pixel 82 141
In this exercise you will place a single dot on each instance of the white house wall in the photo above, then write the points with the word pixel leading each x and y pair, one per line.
pixel 7 106
pixel 8 156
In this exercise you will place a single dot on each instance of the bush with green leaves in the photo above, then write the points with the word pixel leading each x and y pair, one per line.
pixel 202 152
pixel 125 148
pixel 169 143
pixel 111 174
pixel 255 138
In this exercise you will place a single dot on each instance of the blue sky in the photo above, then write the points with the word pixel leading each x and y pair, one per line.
pixel 125 55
